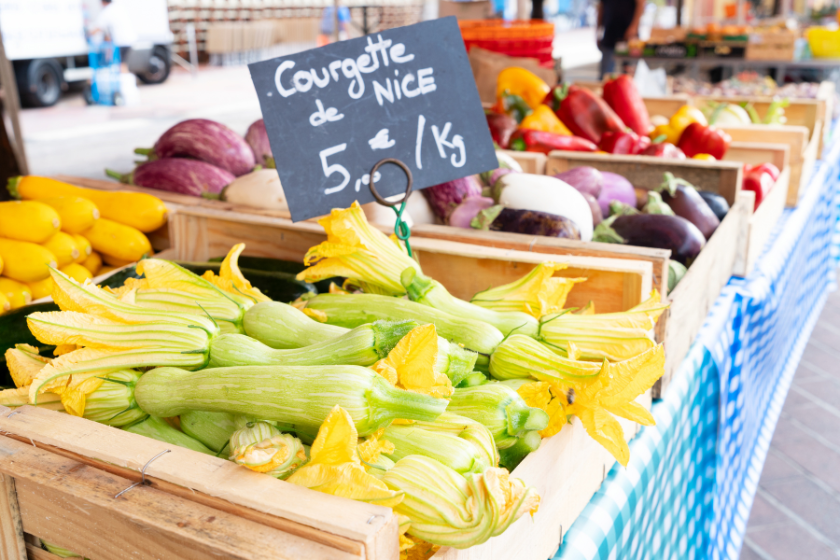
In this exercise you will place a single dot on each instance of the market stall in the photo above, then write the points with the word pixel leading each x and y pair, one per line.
pixel 471 386
pixel 690 487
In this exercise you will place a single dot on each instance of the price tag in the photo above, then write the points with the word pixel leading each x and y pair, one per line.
pixel 332 113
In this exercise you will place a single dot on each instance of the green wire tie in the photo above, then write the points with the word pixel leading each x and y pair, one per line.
pixel 401 229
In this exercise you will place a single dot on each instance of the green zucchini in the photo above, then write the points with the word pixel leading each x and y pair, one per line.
pixel 299 395
pixel 157 428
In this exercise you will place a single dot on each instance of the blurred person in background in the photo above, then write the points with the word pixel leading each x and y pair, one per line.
pixel 114 23
pixel 618 20
pixel 327 34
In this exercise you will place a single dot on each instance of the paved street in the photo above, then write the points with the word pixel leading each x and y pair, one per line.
pixel 74 139
pixel 796 514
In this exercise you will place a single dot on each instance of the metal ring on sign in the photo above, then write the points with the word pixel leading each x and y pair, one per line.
pixel 407 172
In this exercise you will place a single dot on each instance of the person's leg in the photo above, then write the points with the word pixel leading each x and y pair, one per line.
pixel 607 61
pixel 536 9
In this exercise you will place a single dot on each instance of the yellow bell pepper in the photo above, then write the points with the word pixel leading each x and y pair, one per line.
pixel 679 121
pixel 527 85
pixel 544 119
pixel 704 157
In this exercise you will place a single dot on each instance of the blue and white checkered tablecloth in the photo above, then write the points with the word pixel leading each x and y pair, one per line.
pixel 691 480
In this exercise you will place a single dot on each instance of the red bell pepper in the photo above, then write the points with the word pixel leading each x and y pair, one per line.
pixel 760 180
pixel 700 139
pixel 626 142
pixel 586 114
pixel 525 140
pixel 623 97
pixel 501 128
pixel 768 167
pixel 663 150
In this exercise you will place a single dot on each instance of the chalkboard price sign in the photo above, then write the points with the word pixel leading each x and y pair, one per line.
pixel 332 113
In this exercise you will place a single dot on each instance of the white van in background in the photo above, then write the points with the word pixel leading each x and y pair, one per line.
pixel 47 44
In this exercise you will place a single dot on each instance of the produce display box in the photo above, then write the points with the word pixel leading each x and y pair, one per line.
pixel 803 132
pixel 724 252
pixel 764 218
pixel 54 466
pixel 197 506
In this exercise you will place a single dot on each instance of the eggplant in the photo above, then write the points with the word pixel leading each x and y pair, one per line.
pixel 597 216
pixel 587 180
pixel 617 188
pixel 686 202
pixel 660 231
pixel 716 202
pixel 257 139
pixel 463 214
pixel 207 141
pixel 178 175
pixel 445 197
pixel 532 222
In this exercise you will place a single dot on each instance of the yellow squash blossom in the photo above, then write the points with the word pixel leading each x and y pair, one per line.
pixel 261 447
pixel 373 446
pixel 411 364
pixel 550 398
pixel 231 279
pixel 537 293
pixel 334 466
pixel 24 363
pixel 358 252
pixel 612 336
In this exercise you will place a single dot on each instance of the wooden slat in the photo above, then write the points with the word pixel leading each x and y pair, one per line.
pixel 72 505
pixel 615 285
pixel 529 161
pixel 754 153
pixel 694 296
pixel 645 172
pixel 38 553
pixel 553 246
pixel 321 518
pixel 12 544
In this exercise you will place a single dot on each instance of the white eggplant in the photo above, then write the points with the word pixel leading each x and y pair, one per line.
pixel 541 193
pixel 261 189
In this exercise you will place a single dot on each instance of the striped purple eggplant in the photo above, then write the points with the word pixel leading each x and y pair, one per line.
pixel 257 138
pixel 178 175
pixel 207 141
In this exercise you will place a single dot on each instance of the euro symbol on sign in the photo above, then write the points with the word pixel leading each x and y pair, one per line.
pixel 381 141
pixel 321 116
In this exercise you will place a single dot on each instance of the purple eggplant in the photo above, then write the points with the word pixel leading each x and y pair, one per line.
pixel 463 214
pixel 659 231
pixel 207 141
pixel 445 197
pixel 535 223
pixel 716 202
pixel 686 202
pixel 597 216
pixel 178 175
pixel 257 138
pixel 587 180
pixel 617 188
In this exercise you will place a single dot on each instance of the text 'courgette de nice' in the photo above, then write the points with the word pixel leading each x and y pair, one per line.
pixel 406 85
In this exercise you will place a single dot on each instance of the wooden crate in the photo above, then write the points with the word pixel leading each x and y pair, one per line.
pixel 62 472
pixel 694 296
pixel 59 476
pixel 763 220
pixel 803 132
pixel 615 285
